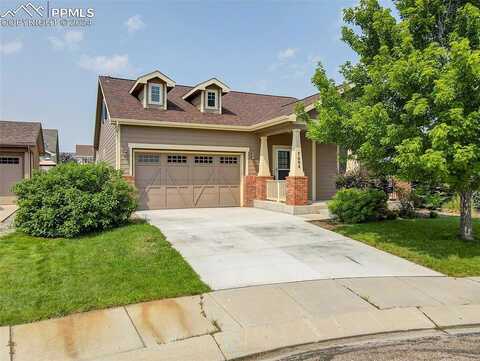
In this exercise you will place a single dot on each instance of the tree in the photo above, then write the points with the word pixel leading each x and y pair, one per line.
pixel 410 106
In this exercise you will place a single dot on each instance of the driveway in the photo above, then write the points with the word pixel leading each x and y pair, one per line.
pixel 237 247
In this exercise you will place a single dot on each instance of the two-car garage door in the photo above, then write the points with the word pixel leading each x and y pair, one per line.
pixel 183 180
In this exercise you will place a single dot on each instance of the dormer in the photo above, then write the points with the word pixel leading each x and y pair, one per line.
pixel 152 88
pixel 207 96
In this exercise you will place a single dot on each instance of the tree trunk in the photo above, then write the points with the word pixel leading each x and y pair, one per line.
pixel 466 230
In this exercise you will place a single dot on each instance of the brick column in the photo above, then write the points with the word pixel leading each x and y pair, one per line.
pixel 130 179
pixel 261 187
pixel 297 191
pixel 249 190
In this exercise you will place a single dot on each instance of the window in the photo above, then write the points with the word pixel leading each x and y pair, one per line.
pixel 203 159
pixel 177 159
pixel 228 160
pixel 156 93
pixel 148 158
pixel 211 99
pixel 9 160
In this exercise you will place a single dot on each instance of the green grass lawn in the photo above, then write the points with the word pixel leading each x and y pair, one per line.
pixel 430 242
pixel 43 278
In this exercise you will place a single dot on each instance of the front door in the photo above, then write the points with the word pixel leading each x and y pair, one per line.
pixel 283 163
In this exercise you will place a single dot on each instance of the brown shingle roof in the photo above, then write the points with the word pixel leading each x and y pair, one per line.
pixel 84 150
pixel 238 108
pixel 13 133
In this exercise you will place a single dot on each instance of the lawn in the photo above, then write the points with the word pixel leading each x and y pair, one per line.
pixel 43 278
pixel 429 242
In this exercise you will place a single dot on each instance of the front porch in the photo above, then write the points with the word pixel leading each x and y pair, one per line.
pixel 294 173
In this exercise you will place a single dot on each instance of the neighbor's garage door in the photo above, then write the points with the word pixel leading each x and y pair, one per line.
pixel 179 180
pixel 11 171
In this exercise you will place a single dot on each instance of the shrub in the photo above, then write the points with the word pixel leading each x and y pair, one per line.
pixel 72 199
pixel 361 180
pixel 359 205
pixel 430 196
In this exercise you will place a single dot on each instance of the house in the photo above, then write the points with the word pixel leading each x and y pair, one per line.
pixel 209 146
pixel 84 154
pixel 21 145
pixel 52 150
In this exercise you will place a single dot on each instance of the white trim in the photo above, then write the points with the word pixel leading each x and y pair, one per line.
pixel 117 147
pixel 160 92
pixel 205 84
pixel 314 170
pixel 167 148
pixel 241 128
pixel 275 149
pixel 154 74
pixel 214 91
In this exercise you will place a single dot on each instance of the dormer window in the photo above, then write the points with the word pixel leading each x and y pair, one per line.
pixel 212 99
pixel 155 92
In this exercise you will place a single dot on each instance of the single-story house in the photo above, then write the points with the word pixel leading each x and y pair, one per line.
pixel 52 150
pixel 84 153
pixel 209 146
pixel 21 145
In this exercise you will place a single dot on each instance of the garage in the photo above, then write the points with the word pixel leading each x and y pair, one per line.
pixel 185 180
pixel 11 171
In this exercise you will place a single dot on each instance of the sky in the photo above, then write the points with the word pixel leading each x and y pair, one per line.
pixel 50 74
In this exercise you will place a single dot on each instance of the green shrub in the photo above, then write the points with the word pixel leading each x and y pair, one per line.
pixel 73 199
pixel 361 180
pixel 359 205
pixel 476 200
pixel 430 196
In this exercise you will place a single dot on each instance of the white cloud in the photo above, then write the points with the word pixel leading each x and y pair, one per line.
pixel 286 54
pixel 134 23
pixel 70 40
pixel 108 65
pixel 11 47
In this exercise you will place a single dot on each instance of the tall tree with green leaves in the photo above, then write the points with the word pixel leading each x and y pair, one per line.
pixel 410 106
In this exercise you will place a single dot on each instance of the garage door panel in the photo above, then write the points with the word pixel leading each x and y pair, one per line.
pixel 152 197
pixel 177 175
pixel 206 196
pixel 203 175
pixel 229 196
pixel 179 197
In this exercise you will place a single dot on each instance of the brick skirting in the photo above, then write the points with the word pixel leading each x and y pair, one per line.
pixel 130 179
pixel 261 188
pixel 297 191
pixel 250 190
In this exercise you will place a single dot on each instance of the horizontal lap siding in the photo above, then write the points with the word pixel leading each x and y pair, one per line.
pixel 327 164
pixel 107 144
pixel 181 136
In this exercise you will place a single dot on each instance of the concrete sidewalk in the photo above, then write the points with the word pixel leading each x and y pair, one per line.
pixel 235 323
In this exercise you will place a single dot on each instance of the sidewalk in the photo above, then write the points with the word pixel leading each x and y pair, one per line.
pixel 236 323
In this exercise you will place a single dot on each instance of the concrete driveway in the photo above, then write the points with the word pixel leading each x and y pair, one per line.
pixel 237 247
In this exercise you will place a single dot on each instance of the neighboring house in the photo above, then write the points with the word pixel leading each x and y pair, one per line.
pixel 21 144
pixel 84 154
pixel 209 146
pixel 52 151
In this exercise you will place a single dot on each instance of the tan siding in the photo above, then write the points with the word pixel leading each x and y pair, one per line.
pixel 107 143
pixel 326 170
pixel 154 135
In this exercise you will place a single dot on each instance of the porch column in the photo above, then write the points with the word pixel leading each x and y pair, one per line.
pixel 297 182
pixel 296 161
pixel 263 171
pixel 263 165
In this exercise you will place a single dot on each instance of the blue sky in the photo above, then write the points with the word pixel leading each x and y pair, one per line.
pixel 50 74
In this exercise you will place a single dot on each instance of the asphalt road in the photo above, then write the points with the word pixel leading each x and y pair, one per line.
pixel 458 348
